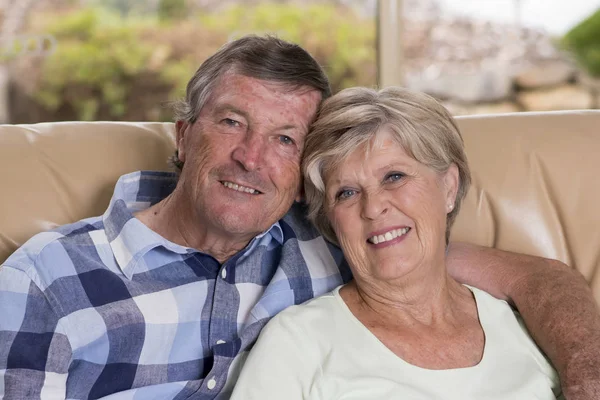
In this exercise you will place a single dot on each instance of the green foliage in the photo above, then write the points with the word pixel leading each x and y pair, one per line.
pixel 110 66
pixel 171 9
pixel 584 41
pixel 97 57
pixel 343 42
pixel 124 7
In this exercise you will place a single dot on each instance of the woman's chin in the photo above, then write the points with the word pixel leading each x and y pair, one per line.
pixel 393 272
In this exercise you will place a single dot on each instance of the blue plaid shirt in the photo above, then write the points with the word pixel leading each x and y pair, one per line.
pixel 106 307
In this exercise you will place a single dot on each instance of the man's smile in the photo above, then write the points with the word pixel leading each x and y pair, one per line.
pixel 239 188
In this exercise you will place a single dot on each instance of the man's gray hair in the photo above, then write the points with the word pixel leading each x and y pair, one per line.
pixel 262 57
pixel 351 118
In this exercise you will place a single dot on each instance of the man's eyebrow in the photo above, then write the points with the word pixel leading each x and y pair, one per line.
pixel 231 108
pixel 288 127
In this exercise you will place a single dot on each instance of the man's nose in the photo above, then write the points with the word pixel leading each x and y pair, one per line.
pixel 374 204
pixel 249 152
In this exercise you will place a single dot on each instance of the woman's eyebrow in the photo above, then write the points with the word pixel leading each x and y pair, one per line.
pixel 398 165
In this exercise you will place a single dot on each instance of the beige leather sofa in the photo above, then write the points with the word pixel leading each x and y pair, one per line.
pixel 536 180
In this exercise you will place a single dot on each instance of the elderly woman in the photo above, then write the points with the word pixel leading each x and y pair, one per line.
pixel 385 175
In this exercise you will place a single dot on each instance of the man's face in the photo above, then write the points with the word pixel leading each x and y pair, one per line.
pixel 242 155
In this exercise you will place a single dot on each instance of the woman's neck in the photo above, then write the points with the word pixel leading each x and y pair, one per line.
pixel 426 298
pixel 425 317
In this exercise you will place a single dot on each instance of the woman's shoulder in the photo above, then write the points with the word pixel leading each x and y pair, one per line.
pixel 486 302
pixel 314 309
pixel 499 318
pixel 496 314
pixel 316 317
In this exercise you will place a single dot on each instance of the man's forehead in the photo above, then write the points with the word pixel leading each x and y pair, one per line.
pixel 232 84
pixel 252 97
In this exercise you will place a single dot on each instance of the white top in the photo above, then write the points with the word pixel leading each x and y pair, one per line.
pixel 320 350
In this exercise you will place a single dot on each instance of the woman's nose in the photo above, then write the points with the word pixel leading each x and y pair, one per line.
pixel 374 204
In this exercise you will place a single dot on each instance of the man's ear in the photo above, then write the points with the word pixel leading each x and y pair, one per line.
pixel 451 181
pixel 181 128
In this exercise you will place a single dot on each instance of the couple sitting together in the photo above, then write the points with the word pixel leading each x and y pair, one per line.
pixel 353 290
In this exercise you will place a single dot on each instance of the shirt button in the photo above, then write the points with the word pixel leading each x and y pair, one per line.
pixel 224 273
pixel 220 341
pixel 211 384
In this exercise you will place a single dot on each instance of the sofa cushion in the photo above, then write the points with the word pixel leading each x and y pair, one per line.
pixel 535 188
pixel 56 173
pixel 535 185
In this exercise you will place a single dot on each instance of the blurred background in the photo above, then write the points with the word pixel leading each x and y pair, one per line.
pixel 127 59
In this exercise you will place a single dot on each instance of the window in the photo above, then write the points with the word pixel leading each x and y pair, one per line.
pixel 126 59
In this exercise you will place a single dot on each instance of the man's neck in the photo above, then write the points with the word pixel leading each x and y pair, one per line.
pixel 179 223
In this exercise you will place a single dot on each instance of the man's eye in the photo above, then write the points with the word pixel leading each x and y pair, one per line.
pixel 286 140
pixel 345 194
pixel 231 122
pixel 394 177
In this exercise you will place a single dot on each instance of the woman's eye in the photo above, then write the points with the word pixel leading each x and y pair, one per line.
pixel 345 194
pixel 394 176
pixel 286 140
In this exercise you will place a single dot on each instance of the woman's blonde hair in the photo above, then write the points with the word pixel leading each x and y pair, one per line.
pixel 351 118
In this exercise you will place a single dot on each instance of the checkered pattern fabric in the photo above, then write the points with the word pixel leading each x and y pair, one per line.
pixel 107 307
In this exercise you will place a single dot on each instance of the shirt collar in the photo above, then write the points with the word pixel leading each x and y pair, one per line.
pixel 130 239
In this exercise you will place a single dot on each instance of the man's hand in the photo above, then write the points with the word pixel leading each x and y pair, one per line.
pixel 555 302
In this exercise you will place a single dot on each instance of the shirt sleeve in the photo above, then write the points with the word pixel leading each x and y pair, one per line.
pixel 35 353
pixel 283 364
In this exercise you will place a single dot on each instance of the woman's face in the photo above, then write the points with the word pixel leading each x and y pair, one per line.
pixel 389 211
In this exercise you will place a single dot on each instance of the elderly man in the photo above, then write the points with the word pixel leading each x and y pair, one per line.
pixel 163 295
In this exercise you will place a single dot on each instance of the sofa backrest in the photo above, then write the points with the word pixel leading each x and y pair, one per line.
pixel 536 186
pixel 535 180
pixel 56 173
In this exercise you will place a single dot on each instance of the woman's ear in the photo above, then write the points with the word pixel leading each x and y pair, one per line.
pixel 451 181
